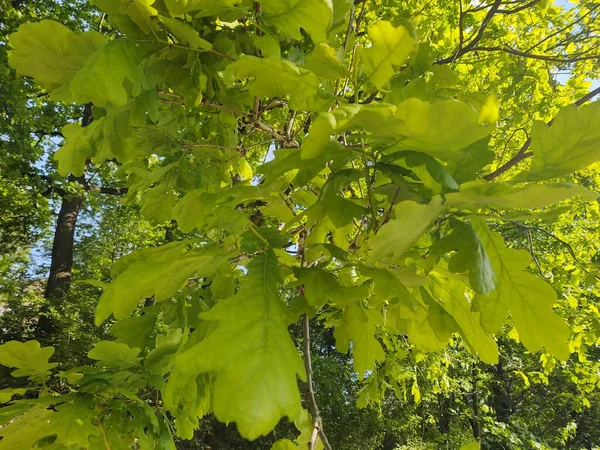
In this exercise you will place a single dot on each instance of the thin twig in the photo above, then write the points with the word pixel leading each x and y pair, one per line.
pixel 312 401
pixel 104 438
pixel 479 35
pixel 511 51
pixel 290 124
pixel 532 251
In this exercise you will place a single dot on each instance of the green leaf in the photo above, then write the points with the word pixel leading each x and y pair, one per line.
pixel 72 156
pixel 433 174
pixel 284 444
pixel 132 17
pixel 570 144
pixel 481 194
pixel 325 63
pixel 321 286
pixel 70 423
pixel 136 331
pixel 178 7
pixel 157 203
pixel 110 75
pixel 405 313
pixel 470 256
pixel 158 360
pixel 28 358
pixel 185 33
pixel 115 355
pixel 251 353
pixel 339 210
pixel 276 77
pixel 55 61
pixel 158 272
pixel 290 159
pixel 6 395
pixel 397 236
pixel 439 129
pixel 465 164
pixel 451 297
pixel 358 326
pixel 24 432
pixel 470 446
pixel 528 298
pixel 141 13
pixel 290 16
pixel 390 48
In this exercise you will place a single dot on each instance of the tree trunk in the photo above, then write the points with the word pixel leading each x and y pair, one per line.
pixel 61 265
pixel 59 279
pixel 501 400
pixel 475 424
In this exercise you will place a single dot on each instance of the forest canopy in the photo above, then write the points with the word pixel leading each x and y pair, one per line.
pixel 299 224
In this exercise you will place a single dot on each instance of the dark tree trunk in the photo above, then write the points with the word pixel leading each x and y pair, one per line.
pixel 501 393
pixel 59 279
pixel 475 423
pixel 61 265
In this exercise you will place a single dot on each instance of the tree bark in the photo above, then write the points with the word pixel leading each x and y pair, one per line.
pixel 59 278
pixel 61 265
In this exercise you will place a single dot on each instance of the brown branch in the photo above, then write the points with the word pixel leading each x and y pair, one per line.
pixel 523 153
pixel 467 48
pixel 512 51
pixel 276 135
pixel 108 190
pixel 219 106
pixel 290 125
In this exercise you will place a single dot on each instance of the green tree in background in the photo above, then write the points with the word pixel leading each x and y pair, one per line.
pixel 299 224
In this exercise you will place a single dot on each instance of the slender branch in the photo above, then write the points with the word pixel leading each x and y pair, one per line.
pixel 107 190
pixel 312 401
pixel 289 126
pixel 349 29
pixel 590 95
pixel 523 153
pixel 389 211
pixel 287 143
pixel 532 252
pixel 512 51
pixel 467 48
pixel 520 156
pixel 104 438
pixel 556 238
pixel 561 29
pixel 219 106
pixel 518 8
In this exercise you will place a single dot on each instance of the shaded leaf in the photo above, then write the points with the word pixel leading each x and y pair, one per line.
pixel 251 353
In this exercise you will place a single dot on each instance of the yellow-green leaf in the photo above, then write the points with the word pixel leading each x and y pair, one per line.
pixel 251 353
pixel 390 48
pixel 358 326
pixel 277 77
pixel 411 220
pixel 528 299
pixel 314 16
pixel 52 54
